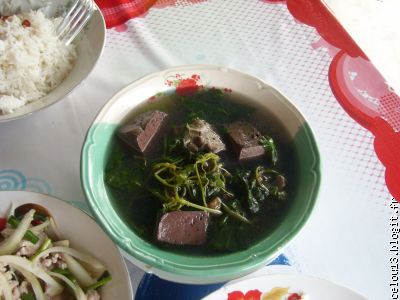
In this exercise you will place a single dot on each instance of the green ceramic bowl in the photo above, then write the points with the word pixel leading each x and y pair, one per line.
pixel 196 268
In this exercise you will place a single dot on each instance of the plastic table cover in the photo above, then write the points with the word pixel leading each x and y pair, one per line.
pixel 296 46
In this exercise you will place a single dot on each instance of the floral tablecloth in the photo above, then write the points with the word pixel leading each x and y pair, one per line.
pixel 295 45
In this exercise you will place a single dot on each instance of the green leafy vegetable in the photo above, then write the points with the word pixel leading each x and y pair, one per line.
pixel 258 186
pixel 235 213
pixel 247 186
pixel 125 174
pixel 270 148
pixel 227 234
pixel 211 107
pixel 182 182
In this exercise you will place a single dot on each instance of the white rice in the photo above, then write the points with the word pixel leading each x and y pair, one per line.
pixel 33 61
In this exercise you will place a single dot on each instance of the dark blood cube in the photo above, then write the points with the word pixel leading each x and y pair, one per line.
pixel 140 133
pixel 183 228
pixel 245 139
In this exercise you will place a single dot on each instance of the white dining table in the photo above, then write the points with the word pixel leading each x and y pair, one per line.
pixel 347 239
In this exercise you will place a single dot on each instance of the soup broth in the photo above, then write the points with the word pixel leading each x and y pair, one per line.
pixel 255 193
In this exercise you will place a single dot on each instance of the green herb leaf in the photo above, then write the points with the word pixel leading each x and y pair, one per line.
pixel 235 212
pixel 227 234
pixel 270 148
pixel 245 188
pixel 182 183
pixel 210 106
pixel 124 173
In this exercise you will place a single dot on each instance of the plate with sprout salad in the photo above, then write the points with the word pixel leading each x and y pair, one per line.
pixel 52 250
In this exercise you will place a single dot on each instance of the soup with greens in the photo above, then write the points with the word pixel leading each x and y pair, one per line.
pixel 205 173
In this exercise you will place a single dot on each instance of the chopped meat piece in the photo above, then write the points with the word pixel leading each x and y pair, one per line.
pixel 245 139
pixel 200 136
pixel 92 295
pixel 141 132
pixel 53 260
pixel 27 248
pixel 6 232
pixel 24 287
pixel 16 293
pixel 280 182
pixel 183 228
pixel 215 203
pixel 65 295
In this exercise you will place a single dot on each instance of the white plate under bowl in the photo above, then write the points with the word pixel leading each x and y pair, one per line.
pixel 90 43
pixel 314 288
pixel 83 233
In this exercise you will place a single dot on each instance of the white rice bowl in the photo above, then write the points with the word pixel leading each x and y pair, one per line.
pixel 33 61
pixel 89 46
